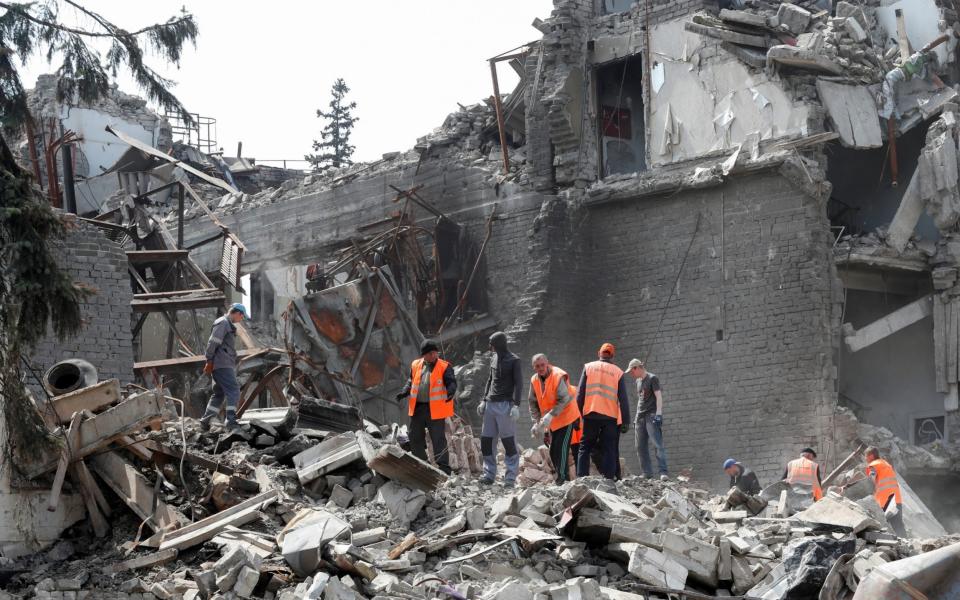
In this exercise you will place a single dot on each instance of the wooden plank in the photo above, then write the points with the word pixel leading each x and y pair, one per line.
pixel 97 521
pixel 135 491
pixel 939 344
pixel 206 529
pixel 97 432
pixel 154 559
pixel 175 293
pixel 902 40
pixel 145 256
pixel 94 398
pixel 169 304
pixel 189 457
pixel 72 439
pixel 135 447
pixel 952 338
pixel 728 35
pixel 87 480
pixel 186 361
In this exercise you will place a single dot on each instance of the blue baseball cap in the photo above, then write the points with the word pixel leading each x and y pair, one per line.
pixel 728 463
pixel 237 307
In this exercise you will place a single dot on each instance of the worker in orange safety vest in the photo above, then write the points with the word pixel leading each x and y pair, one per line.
pixel 804 471
pixel 429 392
pixel 553 409
pixel 605 408
pixel 886 489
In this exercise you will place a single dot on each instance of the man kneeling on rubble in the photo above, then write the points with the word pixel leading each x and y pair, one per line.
pixel 744 488
pixel 222 366
pixel 430 392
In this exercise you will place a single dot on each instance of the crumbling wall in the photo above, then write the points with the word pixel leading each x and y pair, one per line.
pixel 105 340
pixel 743 348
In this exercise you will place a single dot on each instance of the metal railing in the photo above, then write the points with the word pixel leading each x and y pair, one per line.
pixel 201 134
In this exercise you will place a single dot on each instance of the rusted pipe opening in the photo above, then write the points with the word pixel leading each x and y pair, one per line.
pixel 69 375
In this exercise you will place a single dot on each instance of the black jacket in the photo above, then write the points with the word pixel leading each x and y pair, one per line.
pixel 747 481
pixel 506 378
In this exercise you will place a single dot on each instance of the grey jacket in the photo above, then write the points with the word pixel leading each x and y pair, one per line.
pixel 221 346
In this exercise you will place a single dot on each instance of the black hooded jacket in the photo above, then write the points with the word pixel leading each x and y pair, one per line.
pixel 505 383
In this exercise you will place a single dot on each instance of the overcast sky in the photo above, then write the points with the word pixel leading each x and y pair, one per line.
pixel 263 68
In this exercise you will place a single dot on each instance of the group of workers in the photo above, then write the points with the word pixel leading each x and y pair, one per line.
pixel 583 421
pixel 803 473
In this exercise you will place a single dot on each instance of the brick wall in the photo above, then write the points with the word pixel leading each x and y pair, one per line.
pixel 105 340
pixel 758 269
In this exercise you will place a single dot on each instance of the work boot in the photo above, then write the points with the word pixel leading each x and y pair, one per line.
pixel 663 477
pixel 509 485
pixel 205 424
pixel 486 481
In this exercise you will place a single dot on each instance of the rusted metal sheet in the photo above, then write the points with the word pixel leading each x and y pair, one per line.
pixel 329 327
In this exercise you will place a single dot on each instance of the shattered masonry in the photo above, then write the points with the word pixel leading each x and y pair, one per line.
pixel 711 186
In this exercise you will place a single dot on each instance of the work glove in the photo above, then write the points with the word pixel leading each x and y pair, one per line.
pixel 535 430
pixel 546 420
pixel 481 408
pixel 208 368
pixel 658 419
pixel 625 427
pixel 515 412
pixel 401 397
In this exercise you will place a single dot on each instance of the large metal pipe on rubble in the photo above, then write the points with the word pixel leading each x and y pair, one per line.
pixel 931 575
pixel 69 192
pixel 69 375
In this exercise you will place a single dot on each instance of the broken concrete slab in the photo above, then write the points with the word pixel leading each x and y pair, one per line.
pixel 303 539
pixel 393 462
pixel 835 511
pixel 853 111
pixel 656 568
pixel 699 558
pixel 881 328
pixel 402 502
pixel 329 455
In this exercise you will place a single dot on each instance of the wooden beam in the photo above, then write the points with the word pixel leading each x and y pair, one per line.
pixel 87 480
pixel 94 398
pixel 176 454
pixel 72 438
pixel 141 305
pixel 97 432
pixel 154 559
pixel 206 529
pixel 97 521
pixel 147 256
pixel 135 491
pixel 185 361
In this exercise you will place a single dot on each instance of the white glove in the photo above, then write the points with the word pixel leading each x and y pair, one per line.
pixel 515 412
pixel 546 420
pixel 535 430
pixel 481 408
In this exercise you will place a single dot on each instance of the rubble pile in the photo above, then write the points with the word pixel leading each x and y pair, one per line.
pixel 283 511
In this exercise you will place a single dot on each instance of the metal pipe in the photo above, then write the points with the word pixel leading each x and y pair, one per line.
pixel 32 146
pixel 500 124
pixel 69 192
pixel 892 140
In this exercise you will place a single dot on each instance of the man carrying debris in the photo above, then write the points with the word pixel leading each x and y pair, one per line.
pixel 649 420
pixel 222 367
pixel 744 488
pixel 605 406
pixel 429 392
pixel 500 410
pixel 803 471
pixel 552 408
pixel 886 489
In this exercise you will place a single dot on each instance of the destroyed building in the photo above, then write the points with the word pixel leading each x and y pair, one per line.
pixel 713 189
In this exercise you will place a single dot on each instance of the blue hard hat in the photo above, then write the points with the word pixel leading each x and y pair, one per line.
pixel 236 306
pixel 729 463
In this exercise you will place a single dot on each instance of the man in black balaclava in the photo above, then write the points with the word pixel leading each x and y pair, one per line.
pixel 500 410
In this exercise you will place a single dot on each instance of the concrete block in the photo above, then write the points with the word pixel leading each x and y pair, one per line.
pixel 724 565
pixel 370 536
pixel 246 580
pixel 341 496
pixel 656 568
pixel 476 517
pixel 699 558
pixel 793 18
pixel 855 30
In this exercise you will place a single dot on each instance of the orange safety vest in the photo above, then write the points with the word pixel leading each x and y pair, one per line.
pixel 804 471
pixel 603 380
pixel 886 484
pixel 441 407
pixel 547 397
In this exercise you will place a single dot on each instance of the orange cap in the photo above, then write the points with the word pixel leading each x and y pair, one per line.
pixel 607 348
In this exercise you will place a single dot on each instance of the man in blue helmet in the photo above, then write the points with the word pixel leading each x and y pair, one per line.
pixel 222 366
pixel 741 477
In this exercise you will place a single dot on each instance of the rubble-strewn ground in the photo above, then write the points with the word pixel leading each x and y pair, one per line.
pixel 367 536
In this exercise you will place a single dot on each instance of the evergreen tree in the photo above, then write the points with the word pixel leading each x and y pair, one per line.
pixel 34 292
pixel 335 137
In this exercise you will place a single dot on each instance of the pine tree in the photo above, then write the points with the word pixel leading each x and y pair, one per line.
pixel 33 289
pixel 335 137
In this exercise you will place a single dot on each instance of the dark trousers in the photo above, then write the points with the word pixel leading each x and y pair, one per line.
pixel 420 425
pixel 603 434
pixel 896 521
pixel 560 450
